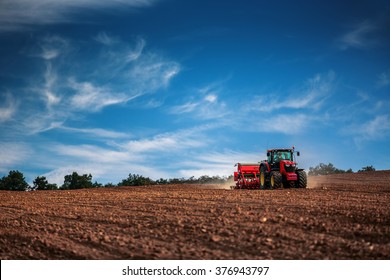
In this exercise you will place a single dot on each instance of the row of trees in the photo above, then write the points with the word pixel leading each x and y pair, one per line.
pixel 15 180
pixel 326 169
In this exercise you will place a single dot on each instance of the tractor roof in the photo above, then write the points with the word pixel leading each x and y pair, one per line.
pixel 285 150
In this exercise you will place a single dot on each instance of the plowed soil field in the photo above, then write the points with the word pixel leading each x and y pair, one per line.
pixel 337 217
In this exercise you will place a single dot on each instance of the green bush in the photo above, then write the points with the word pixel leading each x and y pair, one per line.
pixel 367 168
pixel 326 169
pixel 136 180
pixel 15 181
pixel 76 181
pixel 41 183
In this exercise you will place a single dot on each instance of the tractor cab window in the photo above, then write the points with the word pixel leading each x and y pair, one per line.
pixel 282 155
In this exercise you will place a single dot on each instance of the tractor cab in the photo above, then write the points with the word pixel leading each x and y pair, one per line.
pixel 275 156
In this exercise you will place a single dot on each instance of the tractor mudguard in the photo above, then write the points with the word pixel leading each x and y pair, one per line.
pixel 266 165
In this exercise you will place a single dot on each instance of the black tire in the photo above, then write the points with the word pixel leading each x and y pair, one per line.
pixel 275 180
pixel 289 184
pixel 263 178
pixel 302 179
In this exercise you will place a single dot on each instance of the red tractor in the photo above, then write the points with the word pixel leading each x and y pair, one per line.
pixel 278 170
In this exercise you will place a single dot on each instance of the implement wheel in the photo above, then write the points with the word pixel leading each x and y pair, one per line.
pixel 275 180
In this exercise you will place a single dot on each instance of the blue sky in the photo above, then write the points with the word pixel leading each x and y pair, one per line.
pixel 168 88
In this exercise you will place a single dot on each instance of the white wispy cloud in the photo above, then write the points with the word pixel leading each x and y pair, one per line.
pixel 135 53
pixel 204 104
pixel 91 153
pixel 51 47
pixel 118 52
pixel 308 97
pixel 205 108
pixel 90 97
pixel 383 79
pixel 125 74
pixel 50 96
pixel 311 96
pixel 38 122
pixel 23 14
pixel 212 98
pixel 152 72
pixel 9 107
pixel 96 132
pixel 105 39
pixel 185 108
pixel 294 123
pixel 12 154
pixel 359 36
pixel 167 142
pixel 136 71
pixel 375 129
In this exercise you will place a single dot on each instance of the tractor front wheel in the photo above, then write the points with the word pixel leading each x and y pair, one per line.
pixel 263 183
pixel 302 179
pixel 289 184
pixel 275 180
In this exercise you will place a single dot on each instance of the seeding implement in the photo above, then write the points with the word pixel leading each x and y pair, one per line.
pixel 278 170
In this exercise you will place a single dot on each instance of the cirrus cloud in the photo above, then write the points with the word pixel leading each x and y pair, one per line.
pixel 17 15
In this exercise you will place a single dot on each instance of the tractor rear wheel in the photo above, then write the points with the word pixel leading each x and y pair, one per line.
pixel 302 179
pixel 275 180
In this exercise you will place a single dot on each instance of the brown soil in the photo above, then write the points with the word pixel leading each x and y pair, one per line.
pixel 337 217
